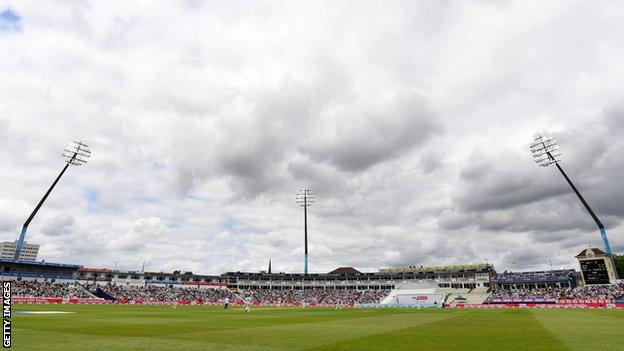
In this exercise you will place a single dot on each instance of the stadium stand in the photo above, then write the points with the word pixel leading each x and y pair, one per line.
pixel 563 278
pixel 151 293
pixel 473 297
pixel 534 287
pixel 33 288
pixel 604 291
pixel 316 297
pixel 162 293
pixel 37 270
pixel 416 295
pixel 419 286
pixel 372 296
pixel 609 292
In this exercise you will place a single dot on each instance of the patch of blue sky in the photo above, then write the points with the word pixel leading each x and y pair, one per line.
pixel 158 166
pixel 92 196
pixel 10 21
pixel 228 224
pixel 196 197
pixel 146 199
pixel 174 223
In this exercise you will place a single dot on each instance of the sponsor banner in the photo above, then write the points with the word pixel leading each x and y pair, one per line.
pixel 551 301
pixel 591 301
pixel 536 305
pixel 181 302
pixel 524 300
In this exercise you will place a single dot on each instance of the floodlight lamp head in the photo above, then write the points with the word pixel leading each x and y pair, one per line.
pixel 545 150
pixel 305 197
pixel 76 153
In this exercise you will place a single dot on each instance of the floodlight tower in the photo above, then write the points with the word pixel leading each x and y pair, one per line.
pixel 76 153
pixel 305 198
pixel 546 152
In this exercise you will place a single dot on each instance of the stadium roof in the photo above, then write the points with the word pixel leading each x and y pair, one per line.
pixel 39 263
pixel 345 270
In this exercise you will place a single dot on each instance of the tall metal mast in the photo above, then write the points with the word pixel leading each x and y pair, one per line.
pixel 546 152
pixel 75 154
pixel 305 198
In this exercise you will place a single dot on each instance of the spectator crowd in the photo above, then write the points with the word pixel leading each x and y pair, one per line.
pixel 316 296
pixel 25 288
pixel 609 292
pixel 166 293
pixel 162 293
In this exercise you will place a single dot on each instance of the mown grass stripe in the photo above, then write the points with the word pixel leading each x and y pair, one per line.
pixel 585 329
pixel 157 328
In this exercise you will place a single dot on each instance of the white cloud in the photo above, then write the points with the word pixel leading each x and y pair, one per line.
pixel 409 120
pixel 61 224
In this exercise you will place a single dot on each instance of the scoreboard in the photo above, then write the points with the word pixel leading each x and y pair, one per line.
pixel 594 271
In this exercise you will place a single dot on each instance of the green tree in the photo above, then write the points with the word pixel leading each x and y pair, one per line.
pixel 619 265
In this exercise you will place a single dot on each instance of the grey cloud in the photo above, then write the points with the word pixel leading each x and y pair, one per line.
pixel 405 123
pixel 525 259
pixel 512 194
pixel 322 178
pixel 62 224
pixel 190 87
pixel 615 117
pixel 432 161
pixel 505 181
pixel 252 149
pixel 377 108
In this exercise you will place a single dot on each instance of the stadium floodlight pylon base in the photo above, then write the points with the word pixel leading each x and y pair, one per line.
pixel 20 244
pixel 305 264
pixel 605 240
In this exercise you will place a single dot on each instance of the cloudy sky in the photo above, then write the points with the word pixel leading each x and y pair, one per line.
pixel 410 120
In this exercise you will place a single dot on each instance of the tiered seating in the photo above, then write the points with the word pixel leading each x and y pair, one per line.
pixel 163 293
pixel 319 296
pixel 47 289
pixel 609 292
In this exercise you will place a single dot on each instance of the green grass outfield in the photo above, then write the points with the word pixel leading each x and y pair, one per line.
pixel 108 328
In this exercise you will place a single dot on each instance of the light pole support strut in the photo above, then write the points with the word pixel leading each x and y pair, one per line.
pixel 601 228
pixel 305 230
pixel 20 241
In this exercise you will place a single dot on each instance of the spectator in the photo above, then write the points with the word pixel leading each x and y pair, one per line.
pixel 32 288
